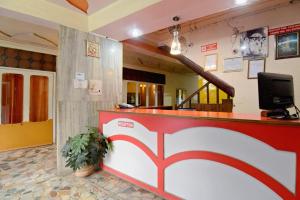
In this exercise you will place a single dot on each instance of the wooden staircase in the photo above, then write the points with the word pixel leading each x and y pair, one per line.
pixel 225 105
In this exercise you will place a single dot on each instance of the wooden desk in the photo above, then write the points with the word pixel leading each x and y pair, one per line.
pixel 204 155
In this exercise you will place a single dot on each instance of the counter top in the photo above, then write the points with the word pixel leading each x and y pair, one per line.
pixel 219 116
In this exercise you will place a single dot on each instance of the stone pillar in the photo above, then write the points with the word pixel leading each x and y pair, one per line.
pixel 76 108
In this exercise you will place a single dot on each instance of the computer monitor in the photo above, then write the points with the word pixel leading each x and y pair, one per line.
pixel 276 93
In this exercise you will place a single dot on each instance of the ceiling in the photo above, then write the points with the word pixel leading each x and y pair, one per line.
pixel 12 28
pixel 94 5
pixel 37 22
pixel 114 18
pixel 159 16
pixel 163 36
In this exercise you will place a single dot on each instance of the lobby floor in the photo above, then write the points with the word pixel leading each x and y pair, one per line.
pixel 31 174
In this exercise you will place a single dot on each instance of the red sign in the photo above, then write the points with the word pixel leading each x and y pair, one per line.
pixel 125 124
pixel 284 29
pixel 209 47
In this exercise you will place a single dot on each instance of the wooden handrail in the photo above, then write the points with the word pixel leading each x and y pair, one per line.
pixel 191 96
pixel 200 70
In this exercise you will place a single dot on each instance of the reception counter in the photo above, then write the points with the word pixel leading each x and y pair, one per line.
pixel 204 155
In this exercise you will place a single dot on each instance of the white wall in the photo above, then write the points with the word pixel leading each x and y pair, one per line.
pixel 246 99
pixel 173 81
pixel 182 81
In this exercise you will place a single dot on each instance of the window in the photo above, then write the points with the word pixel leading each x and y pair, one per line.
pixel 151 92
pixel 38 98
pixel 12 98
pixel 160 95
pixel 180 95
pixel 145 94
pixel 142 94
pixel 131 93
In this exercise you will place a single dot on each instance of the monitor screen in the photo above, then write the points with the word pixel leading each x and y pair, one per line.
pixel 276 91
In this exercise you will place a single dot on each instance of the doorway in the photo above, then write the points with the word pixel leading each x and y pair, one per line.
pixel 27 108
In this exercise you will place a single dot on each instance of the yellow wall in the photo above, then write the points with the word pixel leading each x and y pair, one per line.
pixel 27 134
pixel 131 87
pixel 212 93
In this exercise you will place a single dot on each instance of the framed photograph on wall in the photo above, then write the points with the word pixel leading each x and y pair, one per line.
pixel 254 43
pixel 92 49
pixel 256 66
pixel 211 62
pixel 287 45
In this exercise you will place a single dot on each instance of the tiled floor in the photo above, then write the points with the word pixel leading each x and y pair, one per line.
pixel 31 174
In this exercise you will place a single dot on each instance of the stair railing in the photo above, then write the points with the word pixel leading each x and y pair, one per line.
pixel 197 92
pixel 189 99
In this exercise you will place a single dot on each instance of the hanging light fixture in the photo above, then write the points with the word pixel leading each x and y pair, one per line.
pixel 174 30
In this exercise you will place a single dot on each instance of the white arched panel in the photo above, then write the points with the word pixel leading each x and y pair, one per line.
pixel 207 180
pixel 280 165
pixel 125 126
pixel 132 161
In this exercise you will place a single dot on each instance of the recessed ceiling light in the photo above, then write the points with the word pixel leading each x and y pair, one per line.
pixel 241 2
pixel 112 50
pixel 136 32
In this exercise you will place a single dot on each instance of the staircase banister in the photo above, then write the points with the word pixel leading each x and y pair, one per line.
pixel 200 70
pixel 192 95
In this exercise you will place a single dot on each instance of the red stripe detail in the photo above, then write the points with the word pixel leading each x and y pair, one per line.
pixel 237 164
pixel 220 158
pixel 160 168
pixel 137 143
pixel 281 137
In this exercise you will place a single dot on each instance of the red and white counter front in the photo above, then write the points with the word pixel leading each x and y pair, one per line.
pixel 204 155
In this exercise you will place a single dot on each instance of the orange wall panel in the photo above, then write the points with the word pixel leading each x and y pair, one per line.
pixel 27 134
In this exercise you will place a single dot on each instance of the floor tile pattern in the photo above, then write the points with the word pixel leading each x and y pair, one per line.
pixel 31 174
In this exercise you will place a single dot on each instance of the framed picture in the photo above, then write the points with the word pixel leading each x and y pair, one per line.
pixel 287 45
pixel 254 43
pixel 233 64
pixel 211 62
pixel 256 66
pixel 92 49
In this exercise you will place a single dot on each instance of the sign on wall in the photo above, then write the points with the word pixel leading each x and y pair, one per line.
pixel 92 49
pixel 95 87
pixel 209 47
pixel 284 29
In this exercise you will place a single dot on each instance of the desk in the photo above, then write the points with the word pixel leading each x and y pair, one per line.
pixel 204 155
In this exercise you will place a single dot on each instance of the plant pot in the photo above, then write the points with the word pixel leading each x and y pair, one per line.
pixel 85 171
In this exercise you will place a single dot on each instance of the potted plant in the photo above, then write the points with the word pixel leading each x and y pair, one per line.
pixel 85 151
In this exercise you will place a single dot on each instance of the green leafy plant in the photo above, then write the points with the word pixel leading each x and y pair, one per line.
pixel 86 149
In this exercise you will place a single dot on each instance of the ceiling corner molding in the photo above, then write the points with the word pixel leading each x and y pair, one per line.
pixel 46 10
pixel 116 11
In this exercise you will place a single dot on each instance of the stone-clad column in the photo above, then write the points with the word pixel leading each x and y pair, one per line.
pixel 76 109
